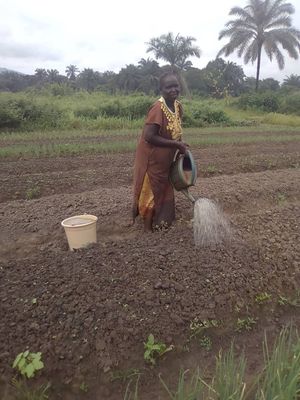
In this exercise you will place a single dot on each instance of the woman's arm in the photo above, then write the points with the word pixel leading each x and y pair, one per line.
pixel 152 136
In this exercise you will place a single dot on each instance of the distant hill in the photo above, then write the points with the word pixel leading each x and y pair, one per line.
pixel 2 70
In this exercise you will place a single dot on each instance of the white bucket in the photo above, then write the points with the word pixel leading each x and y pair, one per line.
pixel 80 230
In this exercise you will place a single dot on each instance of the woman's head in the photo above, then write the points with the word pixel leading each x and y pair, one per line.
pixel 169 86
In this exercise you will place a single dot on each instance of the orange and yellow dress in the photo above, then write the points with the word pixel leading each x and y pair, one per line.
pixel 153 192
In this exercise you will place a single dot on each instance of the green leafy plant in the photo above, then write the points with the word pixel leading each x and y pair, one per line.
pixel 262 297
pixel 206 343
pixel 28 363
pixel 154 349
pixel 197 327
pixel 245 323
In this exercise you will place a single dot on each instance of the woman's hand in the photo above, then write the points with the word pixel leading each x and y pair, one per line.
pixel 182 147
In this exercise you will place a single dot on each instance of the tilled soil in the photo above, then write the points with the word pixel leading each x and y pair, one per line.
pixel 94 308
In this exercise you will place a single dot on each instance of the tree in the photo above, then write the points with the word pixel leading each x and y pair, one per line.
pixel 224 78
pixel 53 75
pixel 40 74
pixel 261 24
pixel 175 50
pixel 129 78
pixel 71 71
pixel 149 71
pixel 292 81
pixel 88 79
pixel 269 84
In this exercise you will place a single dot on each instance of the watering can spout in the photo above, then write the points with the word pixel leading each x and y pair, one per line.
pixel 188 195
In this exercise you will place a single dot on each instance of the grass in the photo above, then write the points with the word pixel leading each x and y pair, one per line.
pixel 228 382
pixel 23 391
pixel 278 379
pixel 113 146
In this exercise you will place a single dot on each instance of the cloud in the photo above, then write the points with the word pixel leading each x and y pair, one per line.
pixel 21 50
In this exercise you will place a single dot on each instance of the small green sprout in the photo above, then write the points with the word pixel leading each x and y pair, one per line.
pixel 262 297
pixel 245 323
pixel 206 343
pixel 197 326
pixel 84 387
pixel 154 349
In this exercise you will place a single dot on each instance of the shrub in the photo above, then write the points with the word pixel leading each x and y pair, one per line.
pixel 291 104
pixel 10 114
pixel 267 101
pixel 25 113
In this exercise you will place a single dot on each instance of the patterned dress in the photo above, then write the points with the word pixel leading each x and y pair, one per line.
pixel 153 192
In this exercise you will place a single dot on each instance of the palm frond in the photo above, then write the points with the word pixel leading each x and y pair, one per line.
pixel 251 53
pixel 242 13
pixel 237 24
pixel 284 21
pixel 243 46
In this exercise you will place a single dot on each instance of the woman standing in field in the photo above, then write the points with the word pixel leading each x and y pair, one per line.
pixel 161 138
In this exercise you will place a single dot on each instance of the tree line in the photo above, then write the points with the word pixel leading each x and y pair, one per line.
pixel 261 25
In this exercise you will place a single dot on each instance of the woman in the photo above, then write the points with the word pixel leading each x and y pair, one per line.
pixel 161 138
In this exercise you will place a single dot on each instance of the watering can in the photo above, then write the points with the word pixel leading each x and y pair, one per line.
pixel 183 173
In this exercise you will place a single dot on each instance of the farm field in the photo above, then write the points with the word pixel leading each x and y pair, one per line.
pixel 90 311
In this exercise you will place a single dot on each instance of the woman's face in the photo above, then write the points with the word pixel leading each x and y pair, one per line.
pixel 170 88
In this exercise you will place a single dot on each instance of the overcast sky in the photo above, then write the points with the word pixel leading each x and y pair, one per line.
pixel 109 34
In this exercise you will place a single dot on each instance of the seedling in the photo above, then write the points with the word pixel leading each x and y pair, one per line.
pixel 206 343
pixel 281 198
pixel 262 297
pixel 245 323
pixel 28 363
pixel 154 349
pixel 211 169
pixel 284 301
pixel 197 326
pixel 32 193
pixel 84 387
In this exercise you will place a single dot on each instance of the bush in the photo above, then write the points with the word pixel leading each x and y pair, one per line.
pixel 267 101
pixel 10 115
pixel 291 104
pixel 24 113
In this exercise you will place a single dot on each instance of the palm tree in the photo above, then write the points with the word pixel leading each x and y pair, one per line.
pixel 149 73
pixel 52 75
pixel 261 24
pixel 128 78
pixel 292 81
pixel 40 74
pixel 175 50
pixel 71 71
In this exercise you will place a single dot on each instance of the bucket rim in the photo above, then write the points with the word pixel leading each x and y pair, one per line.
pixel 89 217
